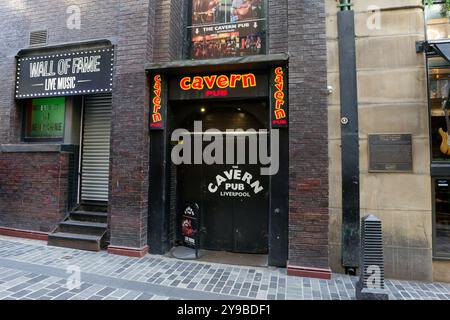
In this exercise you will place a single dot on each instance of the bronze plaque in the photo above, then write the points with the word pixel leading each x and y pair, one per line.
pixel 390 153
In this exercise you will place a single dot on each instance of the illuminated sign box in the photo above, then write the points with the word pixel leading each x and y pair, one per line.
pixel 45 119
pixel 65 74
pixel 225 28
pixel 221 85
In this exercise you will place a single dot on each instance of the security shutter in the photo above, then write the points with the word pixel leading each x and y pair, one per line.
pixel 96 142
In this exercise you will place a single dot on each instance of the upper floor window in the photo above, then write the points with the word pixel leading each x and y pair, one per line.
pixel 437 19
pixel 226 28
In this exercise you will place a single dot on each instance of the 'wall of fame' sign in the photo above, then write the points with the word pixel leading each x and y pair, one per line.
pixel 65 74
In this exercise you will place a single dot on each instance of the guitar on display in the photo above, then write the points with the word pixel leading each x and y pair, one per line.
pixel 445 144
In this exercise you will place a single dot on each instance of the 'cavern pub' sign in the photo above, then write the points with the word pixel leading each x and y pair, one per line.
pixel 219 85
pixel 65 73
pixel 279 97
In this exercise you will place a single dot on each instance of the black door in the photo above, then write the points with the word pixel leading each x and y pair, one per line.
pixel 233 199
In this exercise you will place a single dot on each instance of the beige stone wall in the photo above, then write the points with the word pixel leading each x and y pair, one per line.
pixel 441 271
pixel 392 99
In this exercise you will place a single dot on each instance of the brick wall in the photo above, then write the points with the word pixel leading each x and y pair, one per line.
pixel 19 17
pixel 308 185
pixel 130 138
pixel 150 31
pixel 33 190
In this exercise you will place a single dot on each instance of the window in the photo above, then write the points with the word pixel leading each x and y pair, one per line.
pixel 44 120
pixel 438 22
pixel 226 28
pixel 438 28
pixel 442 218
pixel 439 80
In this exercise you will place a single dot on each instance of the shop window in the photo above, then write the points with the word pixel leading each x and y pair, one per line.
pixel 439 86
pixel 226 28
pixel 442 218
pixel 44 120
pixel 438 22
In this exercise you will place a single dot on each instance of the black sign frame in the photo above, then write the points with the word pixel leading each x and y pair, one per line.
pixel 67 73
pixel 238 91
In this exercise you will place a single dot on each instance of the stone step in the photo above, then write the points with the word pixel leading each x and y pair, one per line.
pixel 91 216
pixel 75 241
pixel 82 227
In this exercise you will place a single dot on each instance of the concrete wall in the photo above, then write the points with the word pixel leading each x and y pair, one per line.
pixel 392 99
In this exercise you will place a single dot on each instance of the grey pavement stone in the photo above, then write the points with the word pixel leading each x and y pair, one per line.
pixel 29 269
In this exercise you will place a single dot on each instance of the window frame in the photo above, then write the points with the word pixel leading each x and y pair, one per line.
pixel 25 139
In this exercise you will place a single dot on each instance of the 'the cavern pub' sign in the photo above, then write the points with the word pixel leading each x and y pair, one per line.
pixel 220 85
pixel 279 97
pixel 157 102
pixel 65 73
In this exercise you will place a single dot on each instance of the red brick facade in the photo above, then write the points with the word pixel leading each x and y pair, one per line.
pixel 33 190
pixel 33 186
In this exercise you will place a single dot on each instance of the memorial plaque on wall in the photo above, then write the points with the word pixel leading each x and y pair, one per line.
pixel 390 153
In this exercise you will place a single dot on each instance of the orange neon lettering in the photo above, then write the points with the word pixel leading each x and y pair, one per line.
pixel 280 114
pixel 210 81
pixel 185 83
pixel 248 80
pixel 234 79
pixel 197 83
pixel 157 117
pixel 223 82
pixel 279 104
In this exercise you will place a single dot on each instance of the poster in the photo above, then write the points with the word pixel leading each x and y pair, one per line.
pixel 190 225
pixel 227 28
pixel 45 118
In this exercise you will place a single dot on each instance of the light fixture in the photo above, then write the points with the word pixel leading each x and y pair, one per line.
pixel 202 109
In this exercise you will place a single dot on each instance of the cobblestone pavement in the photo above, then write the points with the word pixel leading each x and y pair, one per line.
pixel 30 269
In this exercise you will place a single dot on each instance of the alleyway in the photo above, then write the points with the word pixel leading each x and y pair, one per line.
pixel 30 269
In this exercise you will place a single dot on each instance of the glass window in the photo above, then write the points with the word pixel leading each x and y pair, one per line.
pixel 438 22
pixel 44 119
pixel 442 218
pixel 226 28
pixel 439 86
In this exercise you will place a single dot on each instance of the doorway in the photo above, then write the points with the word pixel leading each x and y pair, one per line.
pixel 95 154
pixel 233 198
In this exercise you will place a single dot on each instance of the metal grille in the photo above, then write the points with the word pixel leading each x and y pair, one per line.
pixel 38 37
pixel 372 249
pixel 96 144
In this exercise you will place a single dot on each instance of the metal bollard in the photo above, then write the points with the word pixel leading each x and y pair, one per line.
pixel 370 285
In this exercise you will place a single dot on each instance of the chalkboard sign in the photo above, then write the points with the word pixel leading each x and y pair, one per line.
pixel 390 153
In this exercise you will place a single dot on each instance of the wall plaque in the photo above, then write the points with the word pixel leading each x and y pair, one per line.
pixel 390 153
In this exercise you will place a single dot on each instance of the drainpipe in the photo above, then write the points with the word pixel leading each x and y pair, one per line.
pixel 349 138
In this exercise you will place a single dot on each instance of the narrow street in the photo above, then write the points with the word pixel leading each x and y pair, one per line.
pixel 31 270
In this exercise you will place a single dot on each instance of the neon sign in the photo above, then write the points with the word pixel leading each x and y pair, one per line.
pixel 218 82
pixel 279 103
pixel 156 116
